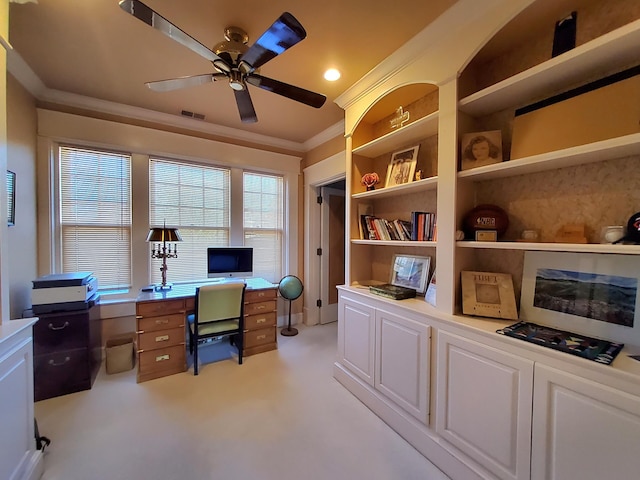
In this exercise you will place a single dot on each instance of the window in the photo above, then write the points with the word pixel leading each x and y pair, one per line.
pixel 196 200
pixel 95 215
pixel 263 207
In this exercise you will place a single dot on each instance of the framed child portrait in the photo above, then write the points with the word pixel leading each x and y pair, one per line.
pixel 402 167
pixel 481 148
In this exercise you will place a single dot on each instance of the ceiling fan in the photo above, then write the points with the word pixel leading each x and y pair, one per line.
pixel 233 59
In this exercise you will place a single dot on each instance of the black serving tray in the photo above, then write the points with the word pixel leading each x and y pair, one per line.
pixel 601 351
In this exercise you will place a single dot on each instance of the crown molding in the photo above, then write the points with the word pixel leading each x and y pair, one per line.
pixel 336 130
pixel 29 80
pixel 414 49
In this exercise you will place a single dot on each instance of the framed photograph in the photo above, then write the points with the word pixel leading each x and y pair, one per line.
pixel 402 167
pixel 430 296
pixel 488 294
pixel 590 294
pixel 410 272
pixel 481 148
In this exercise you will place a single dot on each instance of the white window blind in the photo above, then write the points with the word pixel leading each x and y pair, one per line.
pixel 263 206
pixel 95 214
pixel 196 200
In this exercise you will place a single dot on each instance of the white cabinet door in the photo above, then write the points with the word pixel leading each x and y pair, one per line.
pixel 484 404
pixel 402 362
pixel 18 454
pixel 582 429
pixel 356 337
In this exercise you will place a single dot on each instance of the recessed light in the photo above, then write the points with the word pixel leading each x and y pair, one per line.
pixel 332 75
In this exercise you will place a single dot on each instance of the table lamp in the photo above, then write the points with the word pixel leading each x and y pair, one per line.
pixel 160 250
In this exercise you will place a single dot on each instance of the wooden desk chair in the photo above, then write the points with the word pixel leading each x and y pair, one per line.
pixel 219 313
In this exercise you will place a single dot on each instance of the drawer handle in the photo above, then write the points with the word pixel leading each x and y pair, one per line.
pixel 261 307
pixel 64 325
pixel 261 337
pixel 261 294
pixel 162 358
pixel 54 364
pixel 162 338
pixel 261 320
pixel 162 321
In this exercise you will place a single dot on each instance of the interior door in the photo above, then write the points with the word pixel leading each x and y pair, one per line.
pixel 332 245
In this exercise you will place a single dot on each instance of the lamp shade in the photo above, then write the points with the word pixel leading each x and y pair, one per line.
pixel 164 235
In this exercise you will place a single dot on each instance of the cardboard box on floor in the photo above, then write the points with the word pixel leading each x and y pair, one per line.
pixel 607 112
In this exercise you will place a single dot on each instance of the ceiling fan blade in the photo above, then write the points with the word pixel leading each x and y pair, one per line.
pixel 183 82
pixel 147 15
pixel 285 32
pixel 245 106
pixel 298 94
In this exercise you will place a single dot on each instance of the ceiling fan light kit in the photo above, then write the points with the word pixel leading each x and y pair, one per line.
pixel 232 58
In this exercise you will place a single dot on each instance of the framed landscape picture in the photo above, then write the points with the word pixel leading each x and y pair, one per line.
pixel 410 271
pixel 591 294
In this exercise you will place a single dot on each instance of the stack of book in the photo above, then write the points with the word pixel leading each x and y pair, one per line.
pixel 374 228
pixel 423 226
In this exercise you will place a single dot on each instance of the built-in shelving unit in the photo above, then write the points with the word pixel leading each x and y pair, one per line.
pixel 421 128
pixel 610 52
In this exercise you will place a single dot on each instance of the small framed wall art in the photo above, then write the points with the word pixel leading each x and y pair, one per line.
pixel 488 294
pixel 11 198
pixel 402 166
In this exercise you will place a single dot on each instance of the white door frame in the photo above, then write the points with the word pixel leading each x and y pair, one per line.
pixel 322 173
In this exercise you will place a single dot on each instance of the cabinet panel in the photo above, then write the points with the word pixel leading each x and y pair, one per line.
pixel 402 369
pixel 484 404
pixel 582 429
pixel 356 338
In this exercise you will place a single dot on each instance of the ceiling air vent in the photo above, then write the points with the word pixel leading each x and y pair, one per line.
pixel 197 116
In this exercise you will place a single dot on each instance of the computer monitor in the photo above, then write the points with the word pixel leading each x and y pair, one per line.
pixel 229 262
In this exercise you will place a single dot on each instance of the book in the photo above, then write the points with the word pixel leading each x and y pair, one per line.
pixel 392 291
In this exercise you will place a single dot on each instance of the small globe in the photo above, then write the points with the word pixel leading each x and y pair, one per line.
pixel 290 287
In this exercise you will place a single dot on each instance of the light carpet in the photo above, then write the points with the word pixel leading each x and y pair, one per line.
pixel 280 415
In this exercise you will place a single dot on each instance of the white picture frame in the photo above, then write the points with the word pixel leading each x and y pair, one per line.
pixel 402 167
pixel 410 271
pixel 622 271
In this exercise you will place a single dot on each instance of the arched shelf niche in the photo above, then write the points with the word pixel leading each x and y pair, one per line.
pixel 375 138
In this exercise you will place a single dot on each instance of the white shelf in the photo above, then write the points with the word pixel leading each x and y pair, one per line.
pixel 555 247
pixel 420 129
pixel 614 51
pixel 394 243
pixel 430 183
pixel 619 147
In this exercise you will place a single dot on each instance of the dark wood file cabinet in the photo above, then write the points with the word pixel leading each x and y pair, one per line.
pixel 67 352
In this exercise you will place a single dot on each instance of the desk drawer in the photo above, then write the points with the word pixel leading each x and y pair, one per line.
pixel 252 296
pixel 254 322
pixel 259 337
pixel 164 307
pixel 260 307
pixel 161 338
pixel 167 358
pixel 152 324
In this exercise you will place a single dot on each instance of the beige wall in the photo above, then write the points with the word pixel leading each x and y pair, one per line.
pixel 21 159
pixel 324 151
